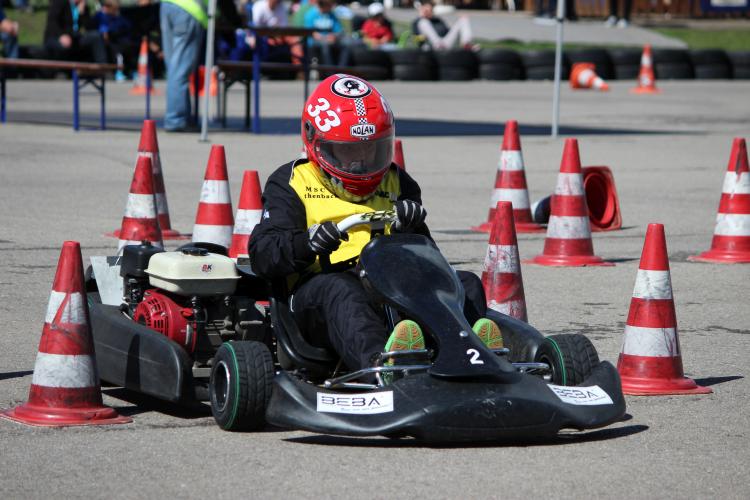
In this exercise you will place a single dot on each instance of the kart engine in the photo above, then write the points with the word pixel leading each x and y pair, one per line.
pixel 188 296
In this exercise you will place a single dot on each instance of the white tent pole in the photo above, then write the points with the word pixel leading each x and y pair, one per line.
pixel 558 67
pixel 209 64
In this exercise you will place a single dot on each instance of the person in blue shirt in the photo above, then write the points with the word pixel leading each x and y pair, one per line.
pixel 117 33
pixel 8 36
pixel 329 35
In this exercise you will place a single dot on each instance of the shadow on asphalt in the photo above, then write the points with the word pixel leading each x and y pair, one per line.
pixel 9 375
pixel 564 438
pixel 406 127
pixel 144 403
pixel 708 381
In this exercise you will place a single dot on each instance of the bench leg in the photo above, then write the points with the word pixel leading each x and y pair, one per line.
pixel 256 85
pixel 102 109
pixel 76 123
pixel 246 83
pixel 2 98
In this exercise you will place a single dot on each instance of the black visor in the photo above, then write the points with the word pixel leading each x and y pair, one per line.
pixel 357 158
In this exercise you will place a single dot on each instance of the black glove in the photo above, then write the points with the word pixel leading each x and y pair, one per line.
pixel 410 215
pixel 325 238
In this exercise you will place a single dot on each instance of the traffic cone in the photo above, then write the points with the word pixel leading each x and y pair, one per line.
pixel 144 80
pixel 568 241
pixel 646 78
pixel 731 241
pixel 213 86
pixel 398 154
pixel 214 221
pixel 650 362
pixel 510 184
pixel 601 200
pixel 583 76
pixel 140 222
pixel 65 387
pixel 249 211
pixel 503 284
pixel 149 146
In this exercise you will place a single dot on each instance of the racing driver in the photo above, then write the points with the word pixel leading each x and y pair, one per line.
pixel 348 133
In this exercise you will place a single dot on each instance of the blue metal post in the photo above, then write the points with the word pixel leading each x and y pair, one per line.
pixel 2 98
pixel 102 111
pixel 256 84
pixel 76 123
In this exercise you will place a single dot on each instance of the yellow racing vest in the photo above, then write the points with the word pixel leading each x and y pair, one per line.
pixel 196 8
pixel 321 205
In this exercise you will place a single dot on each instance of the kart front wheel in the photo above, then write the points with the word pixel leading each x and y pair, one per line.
pixel 571 357
pixel 240 385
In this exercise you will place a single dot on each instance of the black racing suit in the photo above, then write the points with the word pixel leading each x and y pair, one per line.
pixel 331 307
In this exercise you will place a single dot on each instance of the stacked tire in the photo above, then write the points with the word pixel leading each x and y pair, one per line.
pixel 673 64
pixel 626 63
pixel 540 65
pixel 374 64
pixel 500 64
pixel 711 64
pixel 456 65
pixel 740 65
pixel 413 65
pixel 598 57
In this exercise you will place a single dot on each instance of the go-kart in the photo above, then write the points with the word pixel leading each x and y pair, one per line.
pixel 222 343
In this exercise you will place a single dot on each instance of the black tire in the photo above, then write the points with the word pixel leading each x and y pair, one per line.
pixel 704 57
pixel 455 73
pixel 407 72
pixel 500 71
pixel 627 72
pixel 407 56
pixel 499 56
pixel 535 58
pixel 740 64
pixel 598 57
pixel 375 72
pixel 674 71
pixel 671 56
pixel 713 72
pixel 571 357
pixel 456 58
pixel 364 57
pixel 741 72
pixel 240 385
pixel 546 73
pixel 625 57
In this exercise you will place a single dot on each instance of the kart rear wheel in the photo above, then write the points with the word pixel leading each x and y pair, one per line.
pixel 571 358
pixel 240 385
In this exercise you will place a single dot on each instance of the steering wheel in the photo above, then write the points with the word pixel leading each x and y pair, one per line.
pixel 376 220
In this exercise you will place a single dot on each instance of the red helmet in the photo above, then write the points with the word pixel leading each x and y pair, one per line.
pixel 348 130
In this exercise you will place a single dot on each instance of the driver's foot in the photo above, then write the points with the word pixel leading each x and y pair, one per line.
pixel 489 332
pixel 406 336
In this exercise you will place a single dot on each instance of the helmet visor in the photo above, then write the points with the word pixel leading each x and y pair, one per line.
pixel 360 158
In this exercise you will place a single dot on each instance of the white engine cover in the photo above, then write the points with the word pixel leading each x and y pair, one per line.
pixel 185 274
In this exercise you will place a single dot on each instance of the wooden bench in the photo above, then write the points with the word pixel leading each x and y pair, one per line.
pixel 82 74
pixel 242 72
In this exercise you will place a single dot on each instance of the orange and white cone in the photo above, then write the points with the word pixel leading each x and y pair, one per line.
pixel 646 78
pixel 213 85
pixel 731 241
pixel 398 154
pixel 65 387
pixel 583 76
pixel 214 221
pixel 140 221
pixel 143 81
pixel 503 284
pixel 249 212
pixel 149 146
pixel 651 362
pixel 510 184
pixel 568 241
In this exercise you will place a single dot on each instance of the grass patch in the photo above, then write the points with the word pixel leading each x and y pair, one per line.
pixel 31 25
pixel 727 39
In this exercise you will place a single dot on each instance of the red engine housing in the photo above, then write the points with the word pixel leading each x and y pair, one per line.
pixel 162 314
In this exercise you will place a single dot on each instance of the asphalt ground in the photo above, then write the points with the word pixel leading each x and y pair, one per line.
pixel 668 153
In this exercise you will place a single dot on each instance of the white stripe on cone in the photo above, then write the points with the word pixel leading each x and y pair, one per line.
pixel 60 370
pixel 569 184
pixel 736 184
pixel 732 224
pixel 518 197
pixel 140 206
pixel 567 227
pixel 509 307
pixel 215 192
pixel 652 285
pixel 124 243
pixel 221 235
pixel 502 259
pixel 73 311
pixel 656 342
pixel 583 76
pixel 246 220
pixel 510 160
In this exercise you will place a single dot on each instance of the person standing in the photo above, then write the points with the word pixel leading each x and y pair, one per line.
pixel 8 36
pixel 613 20
pixel 64 35
pixel 183 24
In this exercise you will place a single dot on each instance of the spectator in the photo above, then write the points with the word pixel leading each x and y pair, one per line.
pixel 329 33
pixel 437 33
pixel 623 21
pixel 8 36
pixel 548 16
pixel 117 33
pixel 273 14
pixel 377 31
pixel 63 35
